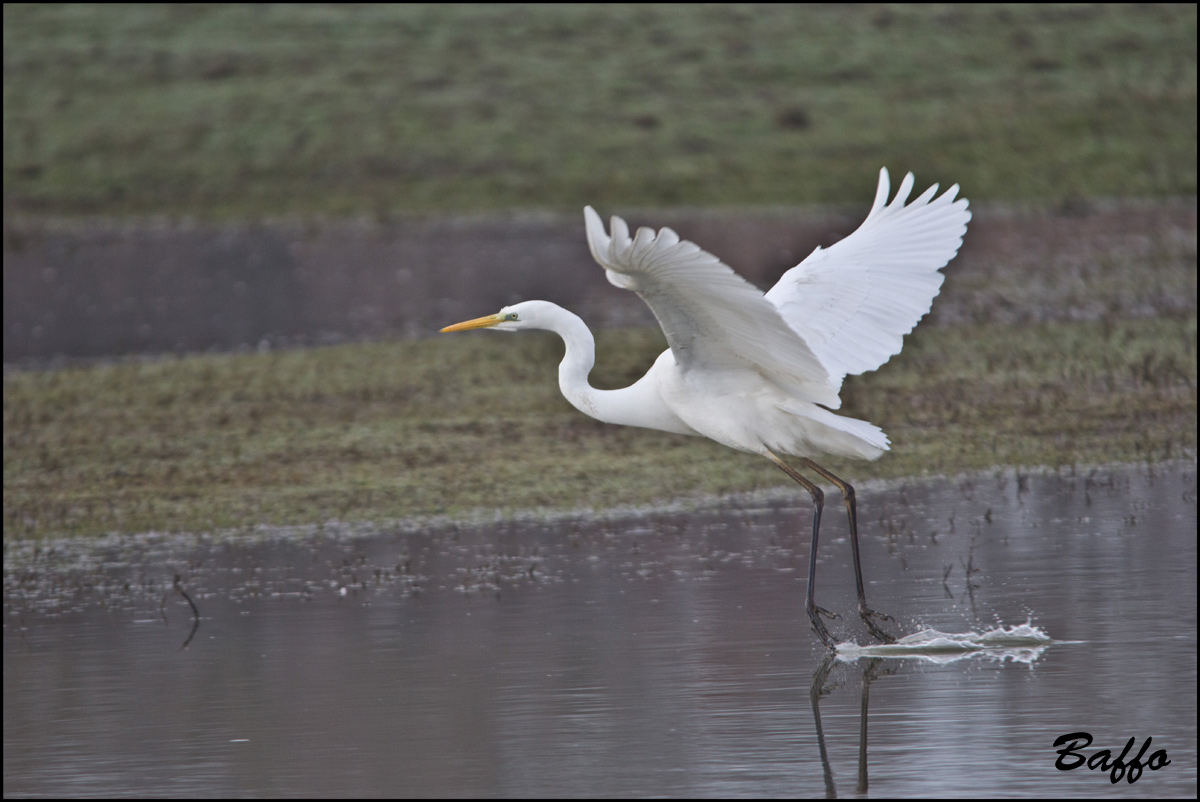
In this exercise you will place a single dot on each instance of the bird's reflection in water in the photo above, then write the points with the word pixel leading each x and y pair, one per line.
pixel 820 687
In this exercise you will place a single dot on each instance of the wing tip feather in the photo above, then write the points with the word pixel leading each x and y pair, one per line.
pixel 598 239
pixel 904 191
pixel 882 189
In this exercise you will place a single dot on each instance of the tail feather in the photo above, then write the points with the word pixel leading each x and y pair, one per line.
pixel 834 434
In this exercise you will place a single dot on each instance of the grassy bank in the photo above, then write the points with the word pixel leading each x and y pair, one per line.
pixel 227 112
pixel 475 421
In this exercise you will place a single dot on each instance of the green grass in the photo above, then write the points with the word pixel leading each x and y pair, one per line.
pixel 475 422
pixel 225 112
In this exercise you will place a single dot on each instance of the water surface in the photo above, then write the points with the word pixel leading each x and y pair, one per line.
pixel 662 654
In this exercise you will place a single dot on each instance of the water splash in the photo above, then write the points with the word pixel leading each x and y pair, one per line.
pixel 1023 643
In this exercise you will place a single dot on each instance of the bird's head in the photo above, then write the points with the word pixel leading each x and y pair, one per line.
pixel 526 315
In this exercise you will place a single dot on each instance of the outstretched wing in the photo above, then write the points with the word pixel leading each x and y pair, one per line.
pixel 854 301
pixel 712 317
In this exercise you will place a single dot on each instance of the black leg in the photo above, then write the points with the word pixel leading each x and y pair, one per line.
pixel 866 613
pixel 810 606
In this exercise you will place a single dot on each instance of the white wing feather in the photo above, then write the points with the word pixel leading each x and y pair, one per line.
pixel 853 302
pixel 712 317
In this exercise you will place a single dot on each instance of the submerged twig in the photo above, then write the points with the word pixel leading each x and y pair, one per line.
pixel 177 586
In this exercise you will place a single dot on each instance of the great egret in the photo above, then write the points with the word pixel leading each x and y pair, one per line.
pixel 760 373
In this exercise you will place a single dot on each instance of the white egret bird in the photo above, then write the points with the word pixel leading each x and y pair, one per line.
pixel 760 373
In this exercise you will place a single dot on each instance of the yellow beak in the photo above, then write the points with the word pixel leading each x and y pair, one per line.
pixel 477 323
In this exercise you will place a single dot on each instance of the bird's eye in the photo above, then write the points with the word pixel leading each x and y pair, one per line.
pixel 511 316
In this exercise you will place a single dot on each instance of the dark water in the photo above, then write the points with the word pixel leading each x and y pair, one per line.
pixel 662 655
pixel 107 288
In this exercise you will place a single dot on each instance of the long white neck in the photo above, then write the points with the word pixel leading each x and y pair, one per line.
pixel 640 404
pixel 577 362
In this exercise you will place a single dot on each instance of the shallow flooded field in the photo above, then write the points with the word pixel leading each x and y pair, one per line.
pixel 660 654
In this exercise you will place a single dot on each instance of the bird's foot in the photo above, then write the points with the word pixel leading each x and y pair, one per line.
pixel 827 613
pixel 818 626
pixel 868 616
